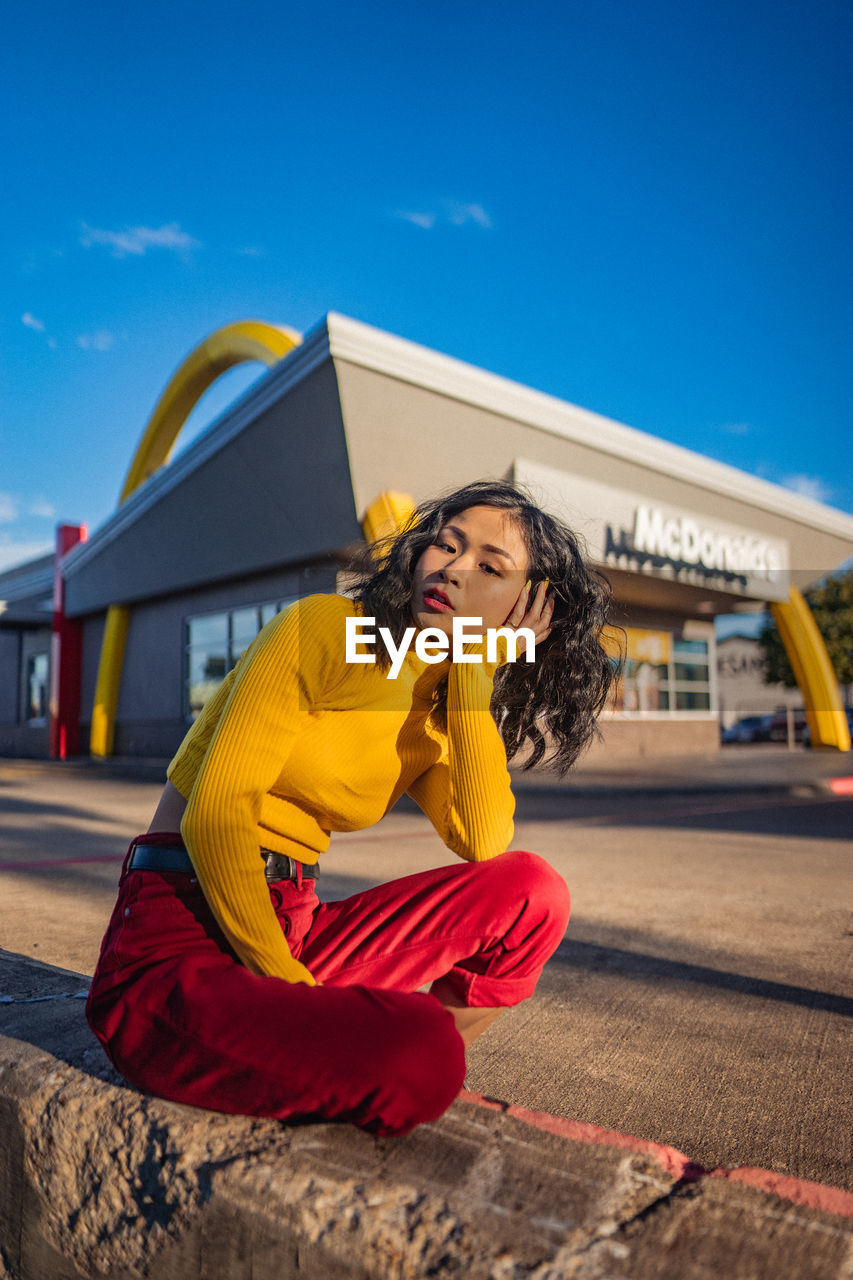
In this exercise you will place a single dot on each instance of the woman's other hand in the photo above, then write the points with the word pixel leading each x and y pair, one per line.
pixel 534 608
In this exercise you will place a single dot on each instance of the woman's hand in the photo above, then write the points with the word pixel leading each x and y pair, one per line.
pixel 533 609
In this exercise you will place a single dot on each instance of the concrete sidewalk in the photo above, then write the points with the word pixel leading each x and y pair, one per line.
pixel 701 1003
pixel 97 1179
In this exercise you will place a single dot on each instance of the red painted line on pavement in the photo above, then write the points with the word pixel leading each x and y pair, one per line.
pixel 812 1195
pixel 674 1162
pixel 815 1195
pixel 841 786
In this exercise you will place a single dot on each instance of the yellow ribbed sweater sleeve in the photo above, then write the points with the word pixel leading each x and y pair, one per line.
pixel 289 663
pixel 467 794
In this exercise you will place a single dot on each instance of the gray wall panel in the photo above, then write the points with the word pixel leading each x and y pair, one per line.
pixel 17 736
pixel 150 717
pixel 93 630
pixel 9 676
pixel 24 742
pixel 278 493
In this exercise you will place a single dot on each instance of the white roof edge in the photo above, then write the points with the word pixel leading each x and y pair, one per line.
pixel 382 352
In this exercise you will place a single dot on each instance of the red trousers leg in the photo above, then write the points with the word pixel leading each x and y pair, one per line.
pixel 481 932
pixel 182 1018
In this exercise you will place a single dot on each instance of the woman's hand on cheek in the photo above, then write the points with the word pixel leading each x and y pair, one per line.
pixel 533 609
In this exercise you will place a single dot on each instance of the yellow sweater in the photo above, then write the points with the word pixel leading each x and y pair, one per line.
pixel 297 743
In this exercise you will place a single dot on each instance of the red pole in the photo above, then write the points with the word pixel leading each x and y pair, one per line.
pixel 66 653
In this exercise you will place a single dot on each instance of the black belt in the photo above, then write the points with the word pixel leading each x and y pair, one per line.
pixel 174 857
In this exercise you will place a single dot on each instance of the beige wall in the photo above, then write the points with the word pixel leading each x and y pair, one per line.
pixel 624 738
pixel 406 437
pixel 741 690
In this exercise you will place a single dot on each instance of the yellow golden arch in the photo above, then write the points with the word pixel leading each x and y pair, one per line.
pixel 233 344
pixel 254 340
pixel 811 665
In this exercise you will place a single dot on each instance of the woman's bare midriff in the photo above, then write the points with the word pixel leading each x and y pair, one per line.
pixel 169 812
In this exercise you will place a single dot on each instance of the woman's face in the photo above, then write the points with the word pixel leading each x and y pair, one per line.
pixel 476 568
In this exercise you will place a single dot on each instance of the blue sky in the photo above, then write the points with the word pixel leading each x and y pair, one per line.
pixel 642 208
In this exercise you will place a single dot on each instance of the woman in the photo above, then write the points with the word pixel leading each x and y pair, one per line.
pixel 223 982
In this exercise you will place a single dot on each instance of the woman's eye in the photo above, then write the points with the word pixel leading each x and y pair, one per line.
pixel 490 569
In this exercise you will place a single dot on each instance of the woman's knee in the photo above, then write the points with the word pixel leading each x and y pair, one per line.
pixel 543 888
pixel 423 1067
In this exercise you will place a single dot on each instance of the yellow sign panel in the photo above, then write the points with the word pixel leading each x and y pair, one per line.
pixel 637 645
pixel 649 646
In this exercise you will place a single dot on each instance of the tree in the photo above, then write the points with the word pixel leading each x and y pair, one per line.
pixel 831 603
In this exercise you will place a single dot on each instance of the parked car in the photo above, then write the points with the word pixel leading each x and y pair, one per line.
pixel 807 733
pixel 779 725
pixel 748 729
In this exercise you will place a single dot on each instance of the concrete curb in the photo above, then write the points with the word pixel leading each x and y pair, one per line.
pixel 813 1195
pixel 97 1179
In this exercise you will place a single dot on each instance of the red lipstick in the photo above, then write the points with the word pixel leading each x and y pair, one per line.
pixel 435 599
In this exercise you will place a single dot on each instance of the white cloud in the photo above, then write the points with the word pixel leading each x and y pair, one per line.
pixel 42 508
pixel 136 241
pixel 736 428
pixel 98 341
pixel 459 214
pixel 38 326
pixel 809 487
pixel 424 220
pixel 11 506
pixel 8 508
pixel 454 213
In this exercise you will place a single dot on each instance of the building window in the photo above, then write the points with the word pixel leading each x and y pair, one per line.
pixel 662 673
pixel 38 685
pixel 215 642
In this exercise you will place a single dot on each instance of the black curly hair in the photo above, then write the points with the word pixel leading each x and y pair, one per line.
pixel 564 691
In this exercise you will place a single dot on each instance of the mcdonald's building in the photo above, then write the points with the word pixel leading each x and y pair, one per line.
pixel 111 645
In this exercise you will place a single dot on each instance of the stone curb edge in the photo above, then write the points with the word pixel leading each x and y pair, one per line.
pixel 811 1195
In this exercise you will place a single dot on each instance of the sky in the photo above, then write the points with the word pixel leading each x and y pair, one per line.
pixel 641 208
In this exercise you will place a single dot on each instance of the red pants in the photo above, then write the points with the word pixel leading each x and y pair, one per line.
pixel 182 1018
